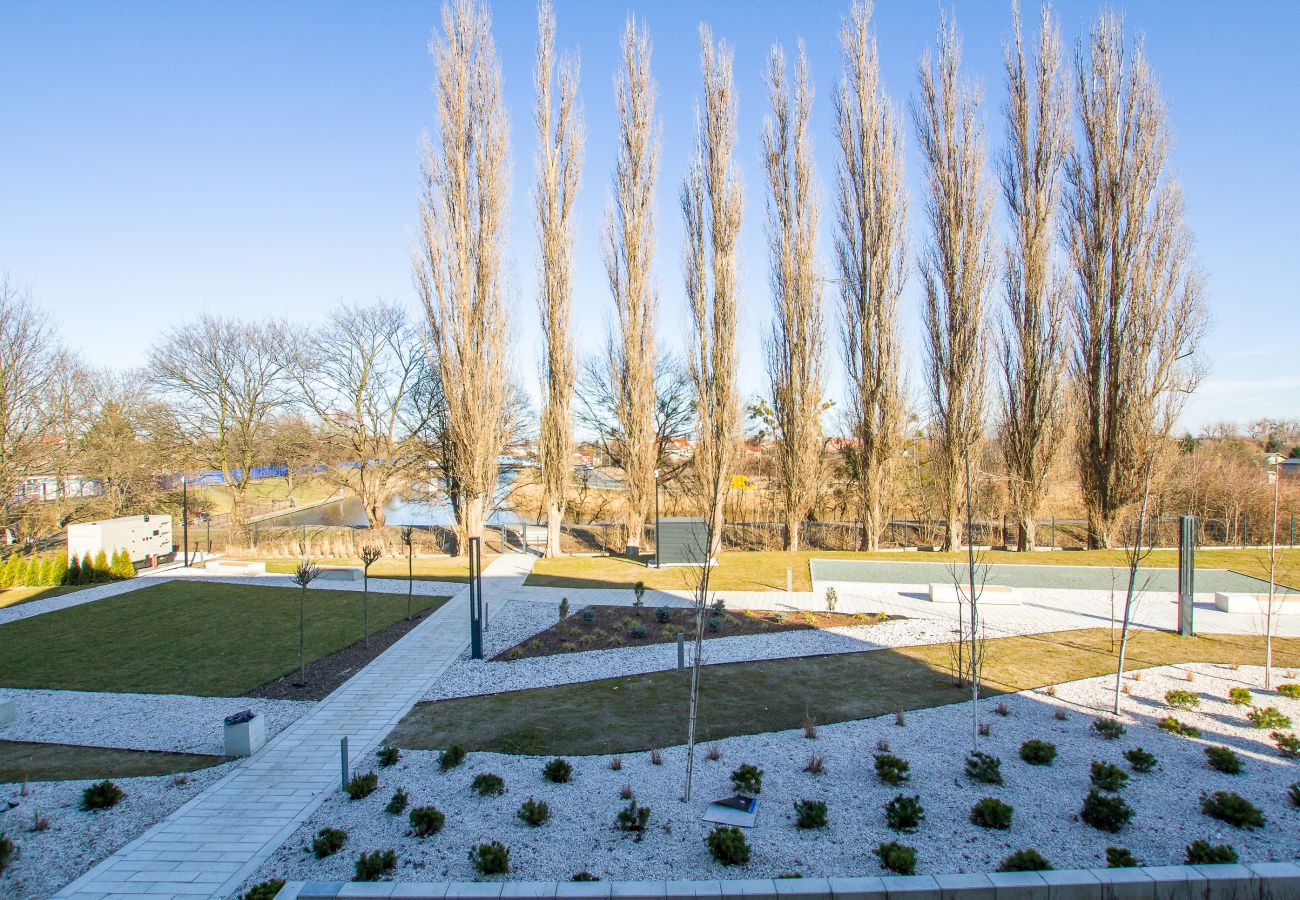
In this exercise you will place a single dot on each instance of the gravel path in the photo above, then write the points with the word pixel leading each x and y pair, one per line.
pixel 75 839
pixel 138 721
pixel 1046 800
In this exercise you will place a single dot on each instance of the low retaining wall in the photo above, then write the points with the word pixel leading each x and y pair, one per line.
pixel 1257 881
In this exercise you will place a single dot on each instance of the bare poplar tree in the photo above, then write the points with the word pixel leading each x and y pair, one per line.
pixel 1032 342
pixel 458 265
pixel 956 265
pixel 870 212
pixel 227 380
pixel 1137 314
pixel 795 344
pixel 629 250
pixel 559 165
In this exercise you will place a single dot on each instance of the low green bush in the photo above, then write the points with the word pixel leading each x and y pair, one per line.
pixel 1269 717
pixel 1038 753
pixel 728 846
pixel 1140 760
pixel 101 795
pixel 810 814
pixel 328 841
pixel 633 818
pixel 984 767
pixel 1293 793
pixel 663 614
pixel 1110 729
pixel 534 812
pixel 1173 726
pixel 426 820
pixel 1105 812
pixel 1202 853
pixel 904 813
pixel 891 769
pixel 1232 808
pixel 362 785
pixel 451 757
pixel 897 858
pixel 397 804
pixel 1290 690
pixel 6 852
pixel 1120 858
pixel 1287 744
pixel 376 864
pixel 1240 696
pixel 263 890
pixel 1184 700
pixel 747 779
pixel 492 858
pixel 486 784
pixel 558 771
pixel 990 812
pixel 388 755
pixel 1222 759
pixel 1107 777
pixel 1025 861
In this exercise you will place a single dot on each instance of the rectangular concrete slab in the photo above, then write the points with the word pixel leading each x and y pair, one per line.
pixel 1071 884
pixel 434 890
pixel 320 890
pixel 803 887
pixel 582 890
pixel 749 888
pixel 1126 884
pixel 529 890
pixel 1020 886
pixel 1229 882
pixel 473 890
pixel 868 888
pixel 911 887
pixel 1176 882
pixel 965 887
pixel 1277 879
pixel 367 889
pixel 637 890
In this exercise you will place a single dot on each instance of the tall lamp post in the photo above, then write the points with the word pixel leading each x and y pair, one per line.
pixel 185 520
pixel 207 524
pixel 656 518
pixel 1274 461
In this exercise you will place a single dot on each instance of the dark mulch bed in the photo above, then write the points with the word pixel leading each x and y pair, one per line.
pixel 606 627
pixel 328 672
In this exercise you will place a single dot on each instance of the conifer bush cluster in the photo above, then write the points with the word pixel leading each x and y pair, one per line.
pixel 55 570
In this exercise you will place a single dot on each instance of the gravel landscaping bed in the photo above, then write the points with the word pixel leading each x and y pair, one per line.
pixel 521 620
pixel 138 721
pixel 76 839
pixel 1046 799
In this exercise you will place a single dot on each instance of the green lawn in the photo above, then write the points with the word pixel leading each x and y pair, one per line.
pixel 17 595
pixel 22 761
pixel 766 571
pixel 430 568
pixel 619 715
pixel 181 637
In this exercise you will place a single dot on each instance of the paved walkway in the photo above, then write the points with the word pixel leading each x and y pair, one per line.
pixel 209 846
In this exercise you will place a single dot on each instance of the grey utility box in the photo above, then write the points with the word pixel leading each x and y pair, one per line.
pixel 681 542
pixel 244 733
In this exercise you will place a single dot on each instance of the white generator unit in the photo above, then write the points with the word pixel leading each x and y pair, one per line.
pixel 146 538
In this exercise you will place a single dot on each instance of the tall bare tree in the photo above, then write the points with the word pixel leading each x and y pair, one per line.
pixel 870 212
pixel 629 251
pixel 227 380
pixel 559 165
pixel 711 206
pixel 956 266
pixel 1137 315
pixel 796 344
pixel 354 374
pixel 1032 341
pixel 458 265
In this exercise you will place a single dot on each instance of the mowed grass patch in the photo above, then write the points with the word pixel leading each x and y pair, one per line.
pixel 430 568
pixel 620 715
pixel 186 637
pixel 766 571
pixel 24 761
pixel 16 595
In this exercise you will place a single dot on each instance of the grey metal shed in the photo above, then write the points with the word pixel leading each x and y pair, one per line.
pixel 681 542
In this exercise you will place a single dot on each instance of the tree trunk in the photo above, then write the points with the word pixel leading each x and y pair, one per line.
pixel 635 533
pixel 237 531
pixel 554 517
pixel 952 529
pixel 475 514
pixel 1027 534
pixel 375 512
pixel 792 534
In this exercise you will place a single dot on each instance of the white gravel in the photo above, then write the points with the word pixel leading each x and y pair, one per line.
pixel 521 620
pixel 76 839
pixel 138 721
pixel 1046 799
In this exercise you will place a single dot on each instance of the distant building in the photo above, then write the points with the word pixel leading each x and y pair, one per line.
pixel 49 487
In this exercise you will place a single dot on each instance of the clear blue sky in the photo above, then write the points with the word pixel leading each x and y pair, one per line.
pixel 160 159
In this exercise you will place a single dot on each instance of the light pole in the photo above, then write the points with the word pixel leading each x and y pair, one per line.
pixel 185 520
pixel 1274 460
pixel 207 524
pixel 656 518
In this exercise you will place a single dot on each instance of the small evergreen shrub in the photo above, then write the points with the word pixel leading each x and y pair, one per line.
pixel 584 875
pixel 1140 760
pixel 727 845
pixel 397 804
pixel 263 890
pixel 1173 726
pixel 1222 759
pixel 1287 744
pixel 328 841
pixel 904 813
pixel 1105 812
pixel 388 755
pixel 990 812
pixel 1038 753
pixel 362 785
pixel 492 858
pixel 6 852
pixel 663 614
pixel 101 795
pixel 488 785
pixel 426 820
pixel 1240 696
pixel 984 768
pixel 1184 700
pixel 1108 777
pixel 588 615
pixel 376 864
pixel 1293 793
pixel 1290 690
pixel 891 769
pixel 558 771
pixel 1232 808
pixel 747 779
pixel 1120 858
pixel 897 858
pixel 534 812
pixel 633 818
pixel 637 631
pixel 451 757
pixel 1202 853
pixel 1025 861
pixel 1269 717
pixel 810 814
pixel 1110 729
